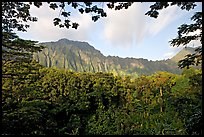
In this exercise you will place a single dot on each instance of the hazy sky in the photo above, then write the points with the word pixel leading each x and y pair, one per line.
pixel 124 33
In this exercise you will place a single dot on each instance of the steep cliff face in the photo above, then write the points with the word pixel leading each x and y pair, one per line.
pixel 80 56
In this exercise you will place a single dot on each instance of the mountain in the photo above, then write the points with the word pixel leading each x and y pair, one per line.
pixel 80 56
pixel 182 53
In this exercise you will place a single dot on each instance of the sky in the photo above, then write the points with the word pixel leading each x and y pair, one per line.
pixel 124 33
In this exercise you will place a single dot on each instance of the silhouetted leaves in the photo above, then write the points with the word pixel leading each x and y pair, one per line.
pixel 95 18
pixel 192 59
pixel 89 7
pixel 62 5
pixel 53 6
pixel 183 31
pixel 74 4
pixel 87 10
pixel 14 14
pixel 81 10
pixel 75 25
pixel 88 4
pixel 66 23
pixel 110 5
pixel 183 39
pixel 153 12
pixel 37 4
pixel 119 5
pixel 56 21
pixel 65 14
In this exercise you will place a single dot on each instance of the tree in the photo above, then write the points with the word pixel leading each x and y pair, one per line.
pixel 183 38
pixel 61 102
pixel 17 13
pixel 14 14
pixel 16 51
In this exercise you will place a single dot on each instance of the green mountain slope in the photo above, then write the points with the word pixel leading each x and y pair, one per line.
pixel 182 53
pixel 80 56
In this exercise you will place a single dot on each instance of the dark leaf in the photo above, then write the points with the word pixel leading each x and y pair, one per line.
pixel 38 4
pixel 103 14
pixel 61 25
pixel 53 6
pixel 110 6
pixel 88 3
pixel 75 25
pixel 95 18
pixel 67 25
pixel 87 10
pixel 81 10
pixel 74 4
pixel 56 21
pixel 62 5
pixel 65 14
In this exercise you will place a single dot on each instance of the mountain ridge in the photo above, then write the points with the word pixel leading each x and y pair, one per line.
pixel 82 57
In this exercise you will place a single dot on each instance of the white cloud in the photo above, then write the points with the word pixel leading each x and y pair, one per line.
pixel 169 54
pixel 124 26
pixel 121 28
pixel 44 29
pixel 166 16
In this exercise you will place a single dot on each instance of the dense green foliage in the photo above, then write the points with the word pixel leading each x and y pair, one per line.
pixel 51 101
pixel 48 101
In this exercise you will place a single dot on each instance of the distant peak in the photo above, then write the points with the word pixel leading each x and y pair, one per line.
pixel 63 39
pixel 67 40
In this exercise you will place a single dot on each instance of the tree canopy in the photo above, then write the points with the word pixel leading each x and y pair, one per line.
pixel 61 102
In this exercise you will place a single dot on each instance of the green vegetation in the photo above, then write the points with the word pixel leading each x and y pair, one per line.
pixel 82 57
pixel 16 14
pixel 51 101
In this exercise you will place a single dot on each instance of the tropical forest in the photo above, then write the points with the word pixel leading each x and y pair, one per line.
pixel 68 87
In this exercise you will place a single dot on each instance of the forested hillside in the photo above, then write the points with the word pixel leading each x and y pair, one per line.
pixel 51 101
pixel 82 57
